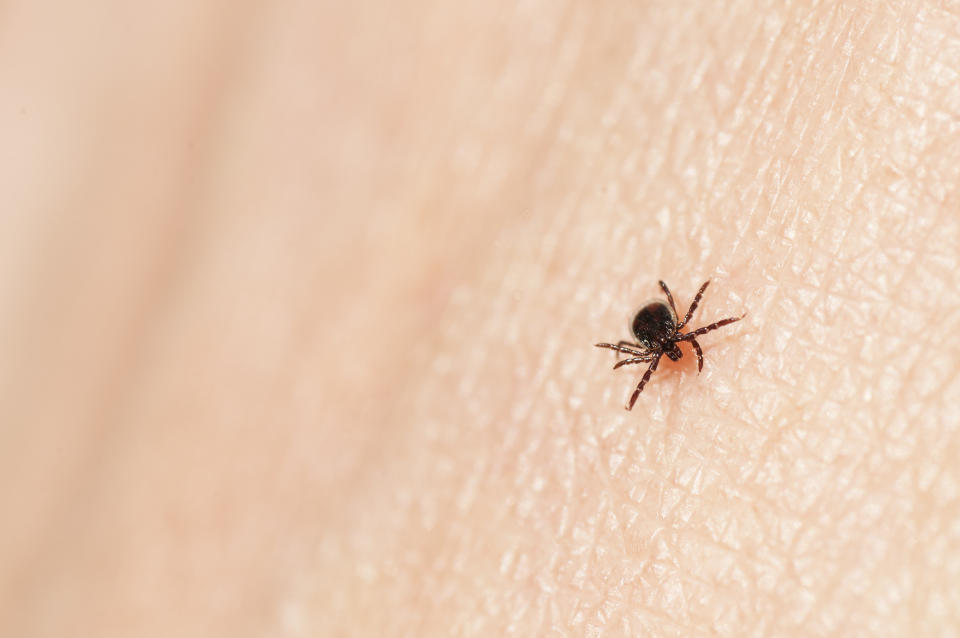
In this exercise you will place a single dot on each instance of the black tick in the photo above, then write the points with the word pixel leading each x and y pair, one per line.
pixel 657 333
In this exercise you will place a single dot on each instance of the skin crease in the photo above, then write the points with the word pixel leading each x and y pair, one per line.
pixel 298 305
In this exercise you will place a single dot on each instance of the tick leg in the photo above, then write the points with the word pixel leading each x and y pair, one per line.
pixel 643 382
pixel 622 342
pixel 696 346
pixel 627 362
pixel 666 291
pixel 713 326
pixel 693 306
pixel 619 348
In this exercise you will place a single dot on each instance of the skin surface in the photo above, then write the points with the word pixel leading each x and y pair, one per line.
pixel 298 304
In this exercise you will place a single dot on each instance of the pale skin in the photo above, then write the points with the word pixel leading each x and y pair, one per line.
pixel 298 305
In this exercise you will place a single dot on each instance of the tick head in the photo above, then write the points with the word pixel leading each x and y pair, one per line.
pixel 673 352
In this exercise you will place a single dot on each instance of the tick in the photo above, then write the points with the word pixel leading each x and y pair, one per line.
pixel 657 333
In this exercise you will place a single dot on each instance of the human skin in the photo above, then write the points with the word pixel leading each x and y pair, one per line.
pixel 299 304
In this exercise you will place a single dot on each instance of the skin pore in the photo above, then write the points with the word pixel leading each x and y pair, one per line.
pixel 299 304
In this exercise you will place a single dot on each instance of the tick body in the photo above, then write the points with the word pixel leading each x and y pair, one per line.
pixel 658 333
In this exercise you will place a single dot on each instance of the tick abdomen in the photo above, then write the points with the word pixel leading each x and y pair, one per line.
pixel 653 323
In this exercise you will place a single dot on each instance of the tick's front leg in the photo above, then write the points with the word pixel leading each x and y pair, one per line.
pixel 696 346
pixel 627 362
pixel 643 382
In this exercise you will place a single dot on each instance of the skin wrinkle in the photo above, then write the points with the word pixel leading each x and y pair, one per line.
pixel 837 573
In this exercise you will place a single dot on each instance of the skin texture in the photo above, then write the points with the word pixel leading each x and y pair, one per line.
pixel 298 305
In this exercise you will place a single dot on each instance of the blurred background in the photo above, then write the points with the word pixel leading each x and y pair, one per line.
pixel 213 224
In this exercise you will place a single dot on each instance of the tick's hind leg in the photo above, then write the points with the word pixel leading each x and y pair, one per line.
pixel 693 306
pixel 643 382
pixel 618 348
pixel 713 326
pixel 666 291
pixel 625 342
